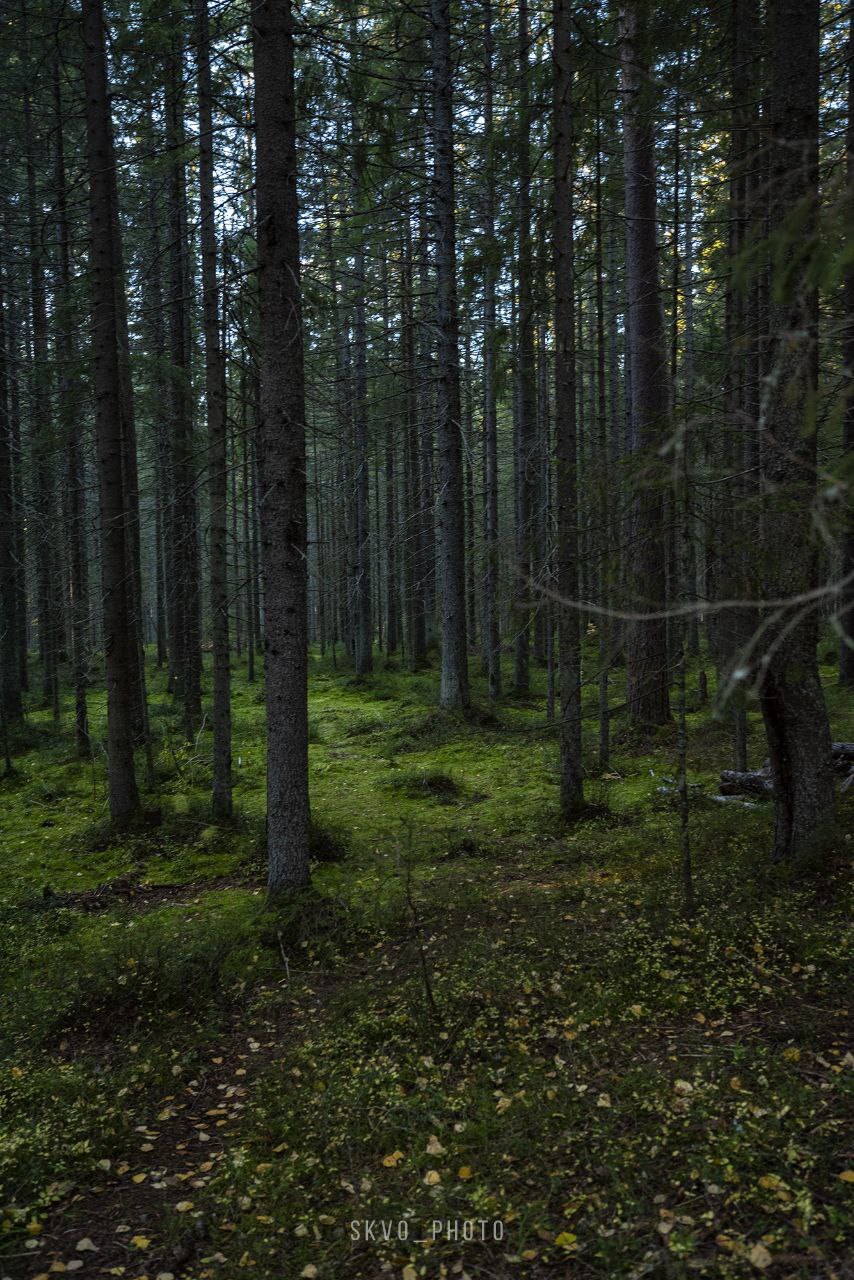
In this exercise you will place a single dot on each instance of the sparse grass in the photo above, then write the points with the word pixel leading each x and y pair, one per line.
pixel 513 1004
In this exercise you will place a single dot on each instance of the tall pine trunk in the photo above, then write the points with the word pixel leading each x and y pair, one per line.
pixel 646 650
pixel 791 696
pixel 110 437
pixel 846 616
pixel 566 445
pixel 282 435
pixel 217 434
pixel 454 688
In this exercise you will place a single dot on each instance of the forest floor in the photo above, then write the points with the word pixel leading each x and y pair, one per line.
pixel 479 1016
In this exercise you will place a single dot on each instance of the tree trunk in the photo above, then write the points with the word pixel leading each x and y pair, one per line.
pixel 846 615
pixel 791 696
pixel 184 532
pixel 282 434
pixel 70 408
pixel 119 655
pixel 571 785
pixel 646 654
pixel 454 689
pixel 217 434
pixel 10 683
pixel 525 388
pixel 490 628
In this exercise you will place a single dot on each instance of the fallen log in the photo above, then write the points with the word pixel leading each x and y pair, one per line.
pixel 735 783
pixel 758 782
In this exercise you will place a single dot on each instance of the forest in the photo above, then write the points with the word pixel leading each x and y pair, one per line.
pixel 426 639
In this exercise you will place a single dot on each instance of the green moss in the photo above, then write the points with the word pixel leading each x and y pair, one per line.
pixel 469 969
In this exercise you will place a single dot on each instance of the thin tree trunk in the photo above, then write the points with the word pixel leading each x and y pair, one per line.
pixel 70 417
pixel 10 683
pixel 525 373
pixel 454 689
pixel 846 614
pixel 217 434
pixel 569 659
pixel 490 632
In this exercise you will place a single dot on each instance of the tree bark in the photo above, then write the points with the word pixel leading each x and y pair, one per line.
pixel 791 696
pixel 10 683
pixel 846 614
pixel 221 803
pixel 454 688
pixel 646 653
pixel 119 655
pixel 566 448
pixel 282 434
pixel 490 626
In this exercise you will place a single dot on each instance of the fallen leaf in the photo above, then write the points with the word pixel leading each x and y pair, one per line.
pixel 760 1257
pixel 140 1242
pixel 434 1146
pixel 432 1177
pixel 86 1246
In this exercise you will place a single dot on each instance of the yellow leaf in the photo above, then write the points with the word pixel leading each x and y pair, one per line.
pixel 184 1206
pixel 140 1242
pixel 434 1146
pixel 792 1055
pixel 604 1100
pixel 309 1272
pixel 847 1175
pixel 139 1177
pixel 409 1272
pixel 391 1161
pixel 34 1228
pixel 465 1173
pixel 760 1257
pixel 432 1177
pixel 566 1239
pixel 503 1105
pixel 86 1246
pixel 683 1087
pixel 735 1083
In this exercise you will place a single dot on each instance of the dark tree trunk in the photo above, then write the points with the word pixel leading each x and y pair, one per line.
pixel 646 652
pixel 490 628
pixel 119 655
pixel 10 683
pixel 525 388
pixel 44 497
pixel 454 689
pixel 282 434
pixel 791 696
pixel 217 435
pixel 70 407
pixel 846 615
pixel 184 532
pixel 363 621
pixel 566 447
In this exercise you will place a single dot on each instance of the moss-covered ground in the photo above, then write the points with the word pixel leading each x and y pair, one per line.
pixel 480 1016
